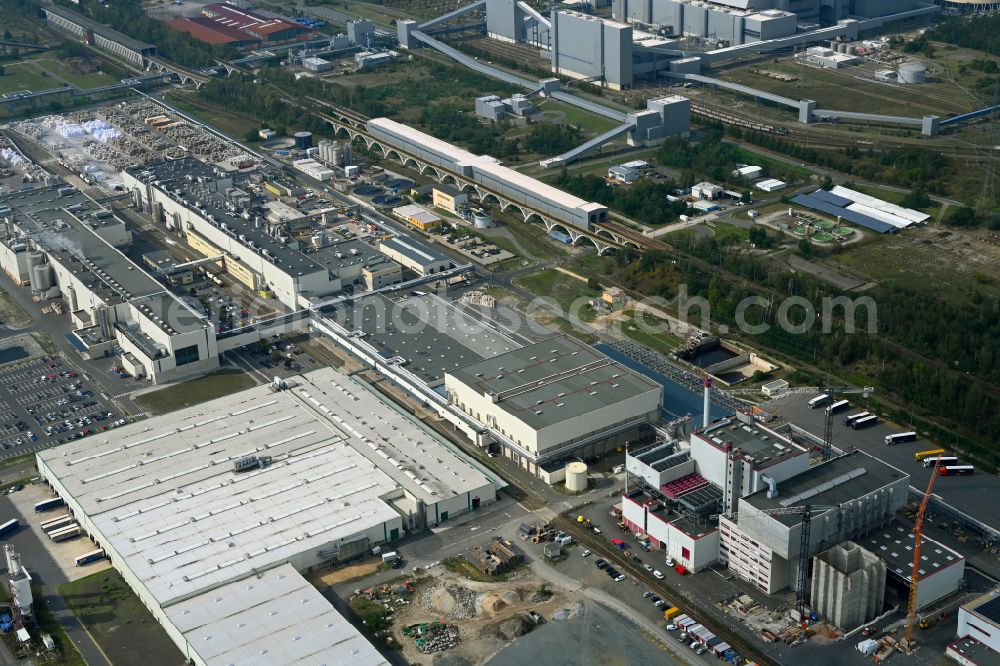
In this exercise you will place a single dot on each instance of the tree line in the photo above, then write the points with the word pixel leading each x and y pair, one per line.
pixel 965 338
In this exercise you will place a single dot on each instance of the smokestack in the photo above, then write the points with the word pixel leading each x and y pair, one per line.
pixel 705 418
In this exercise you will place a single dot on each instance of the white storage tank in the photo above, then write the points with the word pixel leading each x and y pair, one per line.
pixel 41 277
pixel 482 220
pixel 912 72
pixel 576 476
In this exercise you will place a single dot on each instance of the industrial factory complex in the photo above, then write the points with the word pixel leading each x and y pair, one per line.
pixel 213 531
pixel 385 422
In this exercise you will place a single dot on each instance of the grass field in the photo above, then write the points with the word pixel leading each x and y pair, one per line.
pixel 24 76
pixel 840 89
pixel 568 292
pixel 12 315
pixel 585 120
pixel 664 343
pixel 61 70
pixel 118 621
pixel 230 122
pixel 208 387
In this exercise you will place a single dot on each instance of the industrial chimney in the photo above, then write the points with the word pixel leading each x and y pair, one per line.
pixel 706 408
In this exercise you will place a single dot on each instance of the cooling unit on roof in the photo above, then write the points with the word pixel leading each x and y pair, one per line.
pixel 247 463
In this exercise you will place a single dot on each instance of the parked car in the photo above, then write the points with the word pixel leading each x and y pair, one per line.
pixel 647 594
pixel 585 553
pixel 647 567
pixel 656 572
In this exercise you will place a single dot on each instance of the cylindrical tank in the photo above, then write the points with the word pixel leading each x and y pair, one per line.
pixel 834 45
pixel 482 220
pixel 35 259
pixel 576 476
pixel 912 72
pixel 852 50
pixel 303 140
pixel 337 155
pixel 41 277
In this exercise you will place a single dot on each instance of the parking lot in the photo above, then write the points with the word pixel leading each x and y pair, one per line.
pixel 45 402
pixel 972 494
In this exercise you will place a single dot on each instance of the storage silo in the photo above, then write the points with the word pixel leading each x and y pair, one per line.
pixel 41 277
pixel 34 259
pixel 852 50
pixel 303 140
pixel 576 476
pixel 482 220
pixel 841 47
pixel 912 72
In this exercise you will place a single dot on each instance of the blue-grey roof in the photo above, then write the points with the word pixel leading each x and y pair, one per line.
pixel 813 202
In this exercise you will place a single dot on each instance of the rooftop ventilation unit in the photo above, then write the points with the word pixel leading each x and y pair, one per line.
pixel 248 463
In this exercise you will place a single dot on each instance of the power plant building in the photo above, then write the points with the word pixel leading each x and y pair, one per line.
pixel 979 619
pixel 848 585
pixel 588 47
pixel 555 399
pixel 213 528
pixel 853 496
pixel 941 568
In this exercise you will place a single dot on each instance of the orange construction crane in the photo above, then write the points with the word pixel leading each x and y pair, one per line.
pixel 918 535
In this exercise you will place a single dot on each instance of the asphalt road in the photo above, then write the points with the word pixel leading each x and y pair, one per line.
pixel 972 494
pixel 48 576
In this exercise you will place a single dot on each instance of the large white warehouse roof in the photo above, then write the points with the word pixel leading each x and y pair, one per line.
pixel 225 626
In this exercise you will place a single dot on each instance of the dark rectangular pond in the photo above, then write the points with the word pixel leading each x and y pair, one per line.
pixel 11 354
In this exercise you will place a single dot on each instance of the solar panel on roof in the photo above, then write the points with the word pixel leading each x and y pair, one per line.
pixel 810 201
pixel 990 609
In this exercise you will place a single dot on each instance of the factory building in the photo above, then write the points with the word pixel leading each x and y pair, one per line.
pixel 360 32
pixel 863 493
pixel 425 334
pixel 941 569
pixel 556 399
pixel 980 620
pixel 217 526
pixel 487 172
pixel 314 64
pixel 742 457
pixel 848 585
pixel 97 34
pixel 215 214
pixel 267 29
pixel 588 47
pixel 213 31
pixel 490 107
pixel 449 198
pixel 418 217
pixel 64 245
pixel 414 255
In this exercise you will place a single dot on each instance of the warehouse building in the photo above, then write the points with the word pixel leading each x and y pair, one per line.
pixel 418 217
pixel 218 524
pixel 267 29
pixel 64 245
pixel 426 334
pixel 97 34
pixel 941 569
pixel 213 31
pixel 414 255
pixel 555 399
pixel 489 173
pixel 980 620
pixel 864 493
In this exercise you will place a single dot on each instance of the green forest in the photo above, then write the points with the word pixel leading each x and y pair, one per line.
pixel 644 201
pixel 981 33
pixel 942 358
